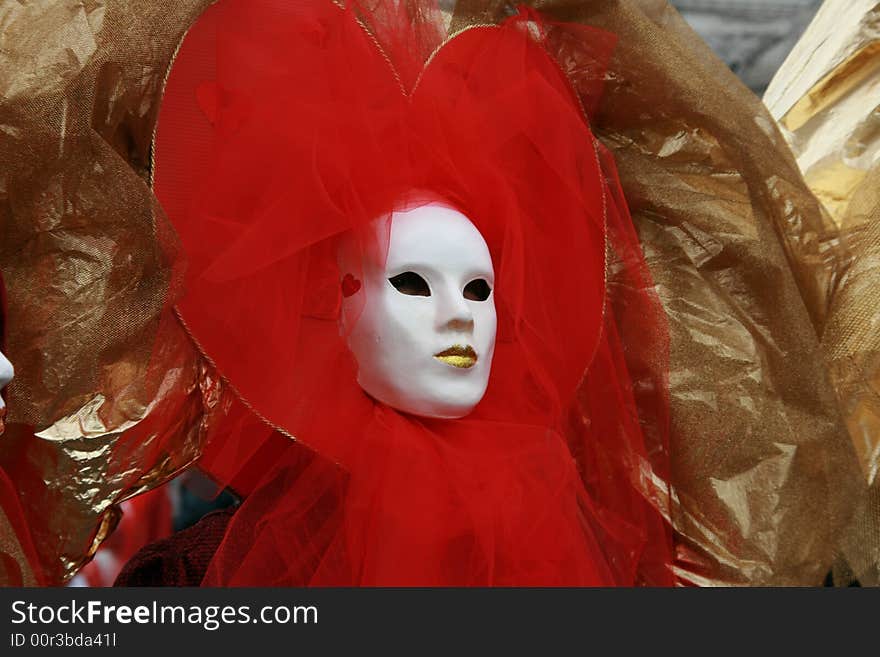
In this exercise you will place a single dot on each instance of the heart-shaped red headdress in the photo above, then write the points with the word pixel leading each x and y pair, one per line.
pixel 287 126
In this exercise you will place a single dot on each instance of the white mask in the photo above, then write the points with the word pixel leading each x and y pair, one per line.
pixel 425 336
pixel 6 374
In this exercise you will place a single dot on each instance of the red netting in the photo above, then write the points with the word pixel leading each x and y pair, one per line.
pixel 288 127
pixel 19 565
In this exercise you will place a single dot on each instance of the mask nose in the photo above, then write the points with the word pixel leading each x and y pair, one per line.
pixel 453 311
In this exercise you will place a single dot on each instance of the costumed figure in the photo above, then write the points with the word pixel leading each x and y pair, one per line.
pixel 398 254
pixel 112 397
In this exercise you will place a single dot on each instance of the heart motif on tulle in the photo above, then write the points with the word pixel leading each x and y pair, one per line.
pixel 350 285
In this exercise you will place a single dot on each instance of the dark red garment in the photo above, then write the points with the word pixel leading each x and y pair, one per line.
pixel 145 518
pixel 179 560
pixel 287 129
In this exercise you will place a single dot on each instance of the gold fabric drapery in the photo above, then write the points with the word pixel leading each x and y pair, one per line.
pixel 825 99
pixel 110 398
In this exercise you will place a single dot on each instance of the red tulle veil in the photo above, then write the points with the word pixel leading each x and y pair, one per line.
pixel 19 565
pixel 289 126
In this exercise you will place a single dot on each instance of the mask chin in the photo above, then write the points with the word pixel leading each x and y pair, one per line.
pixel 424 333
pixel 442 405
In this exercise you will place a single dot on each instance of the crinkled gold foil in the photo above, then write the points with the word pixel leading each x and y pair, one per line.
pixel 110 397
pixel 825 97
pixel 763 475
pixel 852 344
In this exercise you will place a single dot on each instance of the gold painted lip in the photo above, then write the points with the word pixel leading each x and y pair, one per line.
pixel 458 356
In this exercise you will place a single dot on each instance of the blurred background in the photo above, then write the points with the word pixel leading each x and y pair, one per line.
pixel 752 36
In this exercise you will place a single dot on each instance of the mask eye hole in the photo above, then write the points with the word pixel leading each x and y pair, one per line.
pixel 410 283
pixel 477 290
